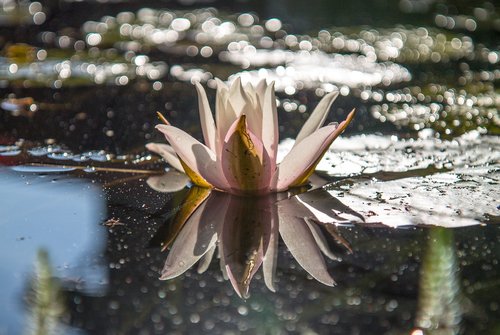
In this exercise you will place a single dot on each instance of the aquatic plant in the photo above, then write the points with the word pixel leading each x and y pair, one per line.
pixel 239 154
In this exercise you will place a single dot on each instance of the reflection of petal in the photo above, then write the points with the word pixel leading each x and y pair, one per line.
pixel 300 241
pixel 195 197
pixel 271 255
pixel 320 239
pixel 247 230
pixel 172 181
pixel 334 232
pixel 206 260
pixel 245 237
pixel 197 237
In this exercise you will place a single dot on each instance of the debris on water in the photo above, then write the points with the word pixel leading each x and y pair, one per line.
pixel 41 169
pixel 112 222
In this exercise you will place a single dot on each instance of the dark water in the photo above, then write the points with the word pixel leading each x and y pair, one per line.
pixel 406 224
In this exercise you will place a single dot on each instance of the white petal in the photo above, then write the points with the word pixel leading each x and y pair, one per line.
pixel 270 132
pixel 206 118
pixel 318 116
pixel 221 85
pixel 242 104
pixel 253 110
pixel 251 94
pixel 196 155
pixel 237 96
pixel 260 91
pixel 224 113
pixel 168 154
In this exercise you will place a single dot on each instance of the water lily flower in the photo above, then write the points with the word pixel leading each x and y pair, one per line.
pixel 239 154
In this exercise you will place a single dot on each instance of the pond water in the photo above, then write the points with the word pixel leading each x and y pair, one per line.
pixel 397 233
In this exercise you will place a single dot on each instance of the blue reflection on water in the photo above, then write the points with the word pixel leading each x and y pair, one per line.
pixel 54 212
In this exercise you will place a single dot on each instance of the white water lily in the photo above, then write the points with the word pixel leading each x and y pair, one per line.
pixel 239 154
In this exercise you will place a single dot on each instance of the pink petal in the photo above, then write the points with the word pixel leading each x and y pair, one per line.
pixel 196 155
pixel 168 154
pixel 317 118
pixel 307 153
pixel 302 156
pixel 206 119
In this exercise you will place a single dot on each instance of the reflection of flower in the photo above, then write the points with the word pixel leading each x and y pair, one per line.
pixel 239 155
pixel 246 231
